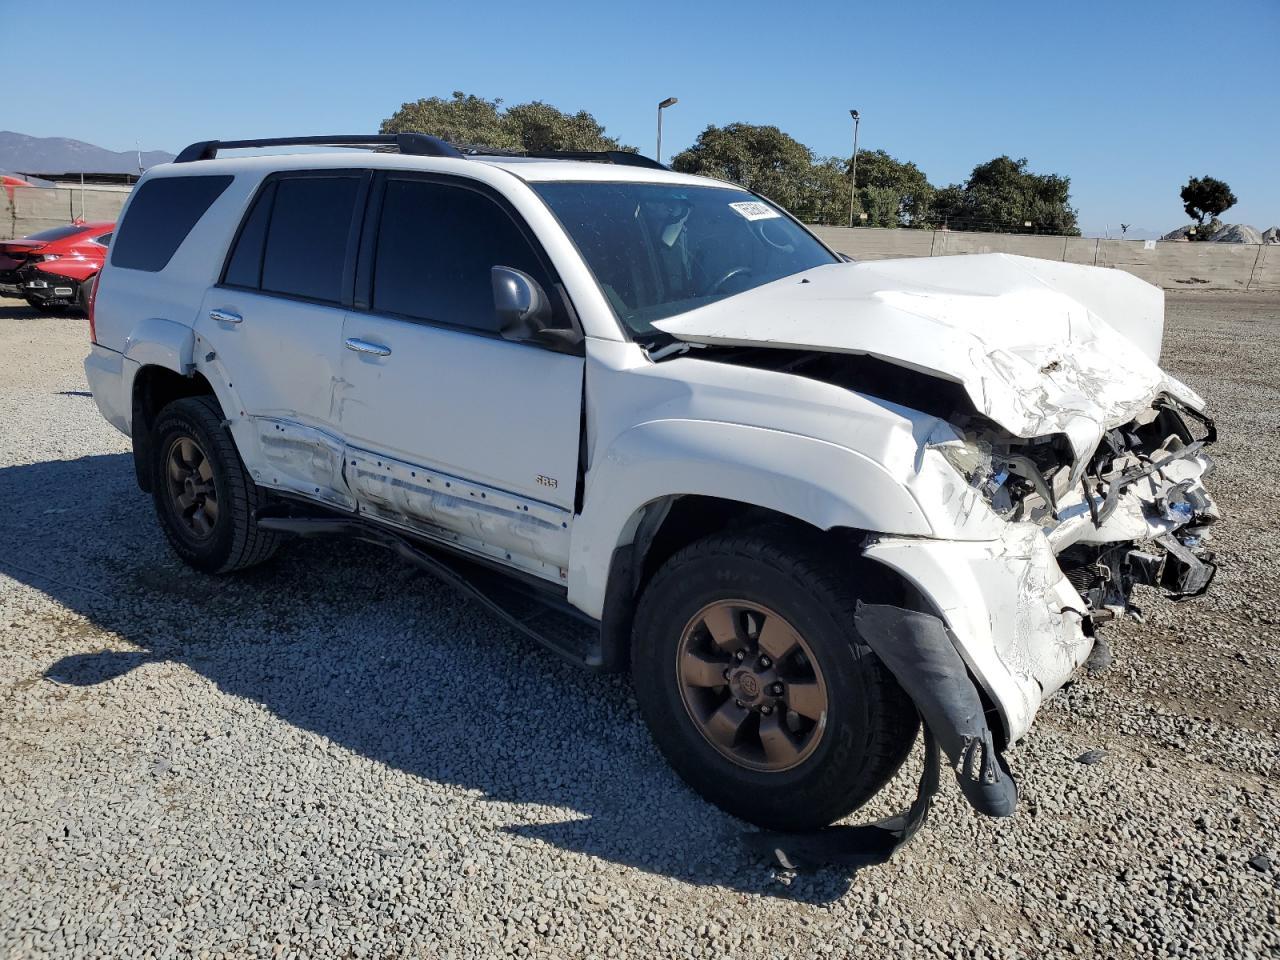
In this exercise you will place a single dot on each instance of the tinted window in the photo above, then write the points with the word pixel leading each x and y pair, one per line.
pixel 103 241
pixel 160 216
pixel 306 248
pixel 658 249
pixel 56 233
pixel 244 268
pixel 436 246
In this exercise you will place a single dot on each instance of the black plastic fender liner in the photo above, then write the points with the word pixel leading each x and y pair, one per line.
pixel 863 845
pixel 918 651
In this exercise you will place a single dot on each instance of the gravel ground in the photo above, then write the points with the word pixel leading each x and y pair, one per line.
pixel 333 756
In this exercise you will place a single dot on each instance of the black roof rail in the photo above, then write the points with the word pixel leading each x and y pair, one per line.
pixel 412 144
pixel 620 157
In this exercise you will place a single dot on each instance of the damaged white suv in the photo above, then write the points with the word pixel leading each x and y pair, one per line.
pixel 655 423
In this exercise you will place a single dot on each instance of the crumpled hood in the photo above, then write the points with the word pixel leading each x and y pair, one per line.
pixel 1040 347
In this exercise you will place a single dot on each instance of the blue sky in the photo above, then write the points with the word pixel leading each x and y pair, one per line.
pixel 1126 98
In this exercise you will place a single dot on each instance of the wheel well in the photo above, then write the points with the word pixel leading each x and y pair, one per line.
pixel 667 526
pixel 154 388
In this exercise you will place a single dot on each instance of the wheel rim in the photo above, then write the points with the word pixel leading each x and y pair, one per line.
pixel 751 685
pixel 192 492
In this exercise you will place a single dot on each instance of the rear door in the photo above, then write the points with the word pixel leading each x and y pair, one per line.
pixel 453 430
pixel 274 324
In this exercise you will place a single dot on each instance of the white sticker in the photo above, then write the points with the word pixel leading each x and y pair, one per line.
pixel 754 210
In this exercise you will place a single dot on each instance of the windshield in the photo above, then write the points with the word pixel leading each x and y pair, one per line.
pixel 660 249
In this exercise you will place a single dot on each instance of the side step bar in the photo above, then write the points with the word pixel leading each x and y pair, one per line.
pixel 561 629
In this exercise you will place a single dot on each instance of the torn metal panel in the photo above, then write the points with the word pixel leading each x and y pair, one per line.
pixel 1015 619
pixel 297 458
pixel 516 531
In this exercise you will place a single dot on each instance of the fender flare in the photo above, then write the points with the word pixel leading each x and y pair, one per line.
pixel 155 342
pixel 820 483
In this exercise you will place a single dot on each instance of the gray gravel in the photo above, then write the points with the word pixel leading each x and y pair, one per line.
pixel 333 756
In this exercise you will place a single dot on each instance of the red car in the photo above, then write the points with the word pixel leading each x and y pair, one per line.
pixel 53 269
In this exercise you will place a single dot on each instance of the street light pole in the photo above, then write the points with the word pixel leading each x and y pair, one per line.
pixel 853 179
pixel 669 102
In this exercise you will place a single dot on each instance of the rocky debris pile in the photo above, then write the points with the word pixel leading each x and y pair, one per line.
pixel 1226 233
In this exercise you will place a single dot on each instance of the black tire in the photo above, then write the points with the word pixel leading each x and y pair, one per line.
pixel 870 722
pixel 234 540
pixel 82 295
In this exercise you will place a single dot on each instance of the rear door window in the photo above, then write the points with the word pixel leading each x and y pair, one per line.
pixel 305 248
pixel 436 246
pixel 159 218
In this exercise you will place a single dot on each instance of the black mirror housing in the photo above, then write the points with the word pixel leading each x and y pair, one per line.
pixel 522 306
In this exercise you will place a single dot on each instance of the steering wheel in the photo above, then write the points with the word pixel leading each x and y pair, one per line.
pixel 735 272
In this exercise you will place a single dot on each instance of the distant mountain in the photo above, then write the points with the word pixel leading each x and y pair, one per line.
pixel 61 155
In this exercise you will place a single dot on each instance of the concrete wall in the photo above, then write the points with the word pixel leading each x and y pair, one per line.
pixel 1223 266
pixel 1173 265
pixel 27 210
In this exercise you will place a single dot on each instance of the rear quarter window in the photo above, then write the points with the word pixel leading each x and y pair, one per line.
pixel 159 219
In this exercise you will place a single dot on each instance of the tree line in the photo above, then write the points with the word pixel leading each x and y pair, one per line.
pixel 1000 195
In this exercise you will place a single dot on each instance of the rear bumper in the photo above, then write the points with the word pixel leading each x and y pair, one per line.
pixel 48 289
pixel 104 370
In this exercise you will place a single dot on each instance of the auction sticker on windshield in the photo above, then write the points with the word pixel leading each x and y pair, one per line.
pixel 754 210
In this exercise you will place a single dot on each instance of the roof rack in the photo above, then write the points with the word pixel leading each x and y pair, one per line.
pixel 620 157
pixel 414 144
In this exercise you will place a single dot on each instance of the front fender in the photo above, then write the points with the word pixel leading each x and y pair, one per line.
pixel 821 483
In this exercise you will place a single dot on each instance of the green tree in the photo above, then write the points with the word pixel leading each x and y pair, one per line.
pixel 769 162
pixel 1001 195
pixel 1206 197
pixel 540 126
pixel 892 192
pixel 466 119
pixel 462 119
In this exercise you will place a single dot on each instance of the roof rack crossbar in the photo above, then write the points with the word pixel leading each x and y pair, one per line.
pixel 414 144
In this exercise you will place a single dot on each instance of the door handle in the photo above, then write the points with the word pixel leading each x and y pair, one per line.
pixel 364 346
pixel 225 316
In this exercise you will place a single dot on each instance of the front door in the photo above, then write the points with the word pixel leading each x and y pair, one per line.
pixel 451 430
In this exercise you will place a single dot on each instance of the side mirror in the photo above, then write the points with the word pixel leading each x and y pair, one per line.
pixel 522 305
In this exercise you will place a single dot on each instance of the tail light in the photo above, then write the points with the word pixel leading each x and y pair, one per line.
pixel 93 299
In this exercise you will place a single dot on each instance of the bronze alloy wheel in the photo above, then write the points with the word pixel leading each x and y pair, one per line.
pixel 191 487
pixel 751 685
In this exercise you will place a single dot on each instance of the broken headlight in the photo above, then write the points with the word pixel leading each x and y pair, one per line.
pixel 1016 477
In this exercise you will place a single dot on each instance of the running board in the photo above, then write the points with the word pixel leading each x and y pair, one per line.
pixel 560 628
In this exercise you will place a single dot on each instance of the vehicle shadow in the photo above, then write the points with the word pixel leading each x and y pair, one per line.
pixel 343 640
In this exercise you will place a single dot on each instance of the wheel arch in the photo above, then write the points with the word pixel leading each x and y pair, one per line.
pixel 153 387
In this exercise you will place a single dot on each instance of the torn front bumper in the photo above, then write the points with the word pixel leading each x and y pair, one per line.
pixel 1021 608
pixel 1016 621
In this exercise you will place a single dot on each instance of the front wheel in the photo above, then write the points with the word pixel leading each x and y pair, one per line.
pixel 756 687
pixel 205 499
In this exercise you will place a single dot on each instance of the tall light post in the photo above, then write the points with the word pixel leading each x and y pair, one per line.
pixel 669 102
pixel 853 179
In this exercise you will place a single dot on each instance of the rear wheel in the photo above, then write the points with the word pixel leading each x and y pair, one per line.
pixel 756 687
pixel 82 295
pixel 205 499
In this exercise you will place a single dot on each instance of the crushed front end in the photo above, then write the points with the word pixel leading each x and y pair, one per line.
pixel 1072 539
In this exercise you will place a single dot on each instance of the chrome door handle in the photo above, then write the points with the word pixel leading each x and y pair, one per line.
pixel 225 316
pixel 364 346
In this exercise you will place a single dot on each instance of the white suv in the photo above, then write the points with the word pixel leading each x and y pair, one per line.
pixel 654 422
